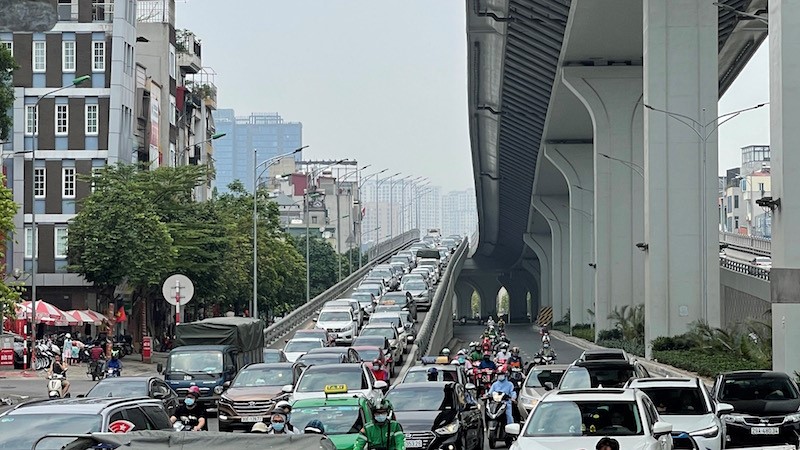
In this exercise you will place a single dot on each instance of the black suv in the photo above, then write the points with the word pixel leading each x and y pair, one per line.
pixel 607 373
pixel 22 425
pixel 765 408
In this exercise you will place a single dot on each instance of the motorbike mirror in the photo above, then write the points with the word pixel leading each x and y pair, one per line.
pixel 470 387
pixel 548 386
pixel 160 368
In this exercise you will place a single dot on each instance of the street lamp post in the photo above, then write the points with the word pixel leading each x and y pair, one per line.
pixel 256 165
pixel 339 218
pixel 377 201
pixel 417 198
pixel 391 205
pixel 405 206
pixel 704 130
pixel 212 138
pixel 34 234
pixel 361 235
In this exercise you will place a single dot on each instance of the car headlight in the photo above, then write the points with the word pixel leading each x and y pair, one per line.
pixel 218 389
pixel 450 428
pixel 730 418
pixel 793 417
pixel 529 402
pixel 710 432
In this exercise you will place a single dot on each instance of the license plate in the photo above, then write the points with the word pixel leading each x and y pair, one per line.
pixel 765 430
pixel 414 443
pixel 187 377
pixel 252 419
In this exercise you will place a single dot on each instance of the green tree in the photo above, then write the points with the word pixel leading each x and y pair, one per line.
pixel 9 295
pixel 7 67
pixel 324 265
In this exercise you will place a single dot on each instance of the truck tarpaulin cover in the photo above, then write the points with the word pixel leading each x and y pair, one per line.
pixel 193 440
pixel 245 333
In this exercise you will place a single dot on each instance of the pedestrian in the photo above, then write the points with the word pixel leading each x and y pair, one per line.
pixel 66 350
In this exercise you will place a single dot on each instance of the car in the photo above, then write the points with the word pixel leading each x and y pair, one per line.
pixel 297 347
pixel 136 387
pixel 539 381
pixel 26 422
pixel 389 331
pixel 389 308
pixel 579 418
pixel 437 415
pixel 376 359
pixel 605 353
pixel 412 260
pixel 374 287
pixel 318 333
pixel 351 356
pixel 252 395
pixel 382 343
pixel 420 291
pixel 766 408
pixel 274 355
pixel 419 276
pixel 322 358
pixel 19 349
pixel 449 243
pixel 342 415
pixel 339 322
pixel 446 372
pixel 687 405
pixel 356 376
pixel 353 304
pixel 762 262
pixel 426 272
pixel 385 272
pixel 399 269
pixel 405 260
pixel 433 264
pixel 607 373
pixel 403 299
pixel 366 299
pixel 401 320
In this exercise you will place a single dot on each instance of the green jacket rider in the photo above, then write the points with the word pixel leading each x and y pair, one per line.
pixel 381 433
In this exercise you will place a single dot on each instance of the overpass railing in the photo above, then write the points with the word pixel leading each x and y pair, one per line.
pixel 745 268
pixel 750 244
pixel 433 320
pixel 301 315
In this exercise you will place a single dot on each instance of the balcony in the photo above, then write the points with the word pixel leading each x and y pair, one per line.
pixel 189 52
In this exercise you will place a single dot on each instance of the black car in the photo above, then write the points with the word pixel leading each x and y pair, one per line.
pixel 607 373
pixel 351 356
pixel 765 408
pixel 132 387
pixel 437 415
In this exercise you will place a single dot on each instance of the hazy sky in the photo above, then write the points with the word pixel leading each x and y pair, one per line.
pixel 383 82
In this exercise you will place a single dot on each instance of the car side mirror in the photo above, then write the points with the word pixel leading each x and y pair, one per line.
pixel 661 428
pixel 226 384
pixel 287 389
pixel 380 384
pixel 313 320
pixel 513 429
pixel 471 406
pixel 548 386
pixel 160 368
pixel 159 395
pixel 724 408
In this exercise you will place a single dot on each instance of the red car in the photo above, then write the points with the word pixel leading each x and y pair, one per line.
pixel 376 360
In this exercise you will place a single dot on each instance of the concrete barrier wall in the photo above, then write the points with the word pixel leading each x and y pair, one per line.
pixel 743 297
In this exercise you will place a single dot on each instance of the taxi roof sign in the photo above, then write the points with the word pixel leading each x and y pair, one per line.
pixel 335 389
pixel 435 360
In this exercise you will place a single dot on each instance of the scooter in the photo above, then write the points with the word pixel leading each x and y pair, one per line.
pixel 113 372
pixel 185 423
pixel 55 387
pixel 495 418
pixel 516 377
pixel 95 369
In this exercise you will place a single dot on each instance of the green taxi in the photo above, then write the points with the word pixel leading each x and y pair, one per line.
pixel 341 414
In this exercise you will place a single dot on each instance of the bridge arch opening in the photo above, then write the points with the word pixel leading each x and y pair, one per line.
pixel 502 304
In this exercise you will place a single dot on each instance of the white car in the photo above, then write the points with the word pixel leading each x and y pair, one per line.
pixel 353 304
pixel 687 405
pixel 298 347
pixel 578 419
pixel 539 381
pixel 356 376
pixel 339 322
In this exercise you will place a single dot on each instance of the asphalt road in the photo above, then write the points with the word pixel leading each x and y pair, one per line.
pixel 524 336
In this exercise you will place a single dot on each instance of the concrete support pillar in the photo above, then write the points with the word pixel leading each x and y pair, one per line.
pixel 576 163
pixel 488 287
pixel 535 283
pixel 784 39
pixel 541 245
pixel 555 209
pixel 680 78
pixel 464 295
pixel 612 94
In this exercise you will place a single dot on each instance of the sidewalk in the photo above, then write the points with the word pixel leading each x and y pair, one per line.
pixel 132 366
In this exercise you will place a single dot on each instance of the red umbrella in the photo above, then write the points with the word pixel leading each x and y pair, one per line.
pixel 45 313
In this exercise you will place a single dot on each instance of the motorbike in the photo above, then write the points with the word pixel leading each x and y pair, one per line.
pixel 55 387
pixel 538 360
pixel 495 418
pixel 113 372
pixel 185 423
pixel 484 378
pixel 517 377
pixel 95 369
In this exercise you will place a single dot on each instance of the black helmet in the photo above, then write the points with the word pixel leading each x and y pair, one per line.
pixel 433 374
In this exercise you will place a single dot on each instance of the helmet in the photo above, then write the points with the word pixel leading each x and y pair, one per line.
pixel 194 390
pixel 445 351
pixel 546 345
pixel 382 404
pixel 455 362
pixel 487 355
pixel 115 354
pixel 433 374
pixel 259 427
pixel 515 350
pixel 502 370
pixel 68 336
pixel 504 345
pixel 462 352
pixel 314 427
pixel 283 404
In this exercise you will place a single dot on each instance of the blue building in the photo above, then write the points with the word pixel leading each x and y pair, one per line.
pixel 266 132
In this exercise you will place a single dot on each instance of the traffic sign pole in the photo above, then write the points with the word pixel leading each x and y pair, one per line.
pixel 177 302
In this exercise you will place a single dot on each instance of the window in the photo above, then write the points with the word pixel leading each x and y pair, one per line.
pixel 31 120
pixel 9 45
pixel 98 56
pixel 761 187
pixel 173 110
pixel 39 176
pixel 61 242
pixel 735 201
pixel 91 120
pixel 62 119
pixel 172 61
pixel 29 242
pixel 95 174
pixel 68 56
pixel 39 56
pixel 68 182
pixel 736 222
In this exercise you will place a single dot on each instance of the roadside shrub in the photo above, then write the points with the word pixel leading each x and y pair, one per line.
pixel 632 347
pixel 705 364
pixel 583 331
pixel 680 342
pixel 607 335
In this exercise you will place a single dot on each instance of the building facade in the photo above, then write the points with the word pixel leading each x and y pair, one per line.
pixel 461 213
pixel 267 133
pixel 70 134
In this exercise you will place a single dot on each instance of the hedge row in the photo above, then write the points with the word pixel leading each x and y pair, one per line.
pixel 705 364
pixel 632 347
pixel 584 332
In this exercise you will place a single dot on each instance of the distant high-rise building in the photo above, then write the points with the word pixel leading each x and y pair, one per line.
pixel 754 159
pixel 395 206
pixel 461 213
pixel 265 132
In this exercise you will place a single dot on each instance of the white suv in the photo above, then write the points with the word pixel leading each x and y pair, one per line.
pixel 339 322
pixel 580 418
pixel 686 404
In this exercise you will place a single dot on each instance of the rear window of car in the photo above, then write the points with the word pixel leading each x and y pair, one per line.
pixel 608 377
pixel 19 431
pixel 115 387
pixel 763 388
pixel 538 377
pixel 680 401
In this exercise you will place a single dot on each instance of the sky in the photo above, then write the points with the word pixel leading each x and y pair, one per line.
pixel 383 82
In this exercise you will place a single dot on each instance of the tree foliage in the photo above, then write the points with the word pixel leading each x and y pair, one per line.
pixel 9 295
pixel 7 67
pixel 324 263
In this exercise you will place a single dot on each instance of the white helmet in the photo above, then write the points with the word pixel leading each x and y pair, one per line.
pixel 68 336
pixel 445 351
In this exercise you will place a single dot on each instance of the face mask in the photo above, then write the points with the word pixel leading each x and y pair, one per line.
pixel 381 417
pixel 461 359
pixel 501 378
pixel 189 401
pixel 278 426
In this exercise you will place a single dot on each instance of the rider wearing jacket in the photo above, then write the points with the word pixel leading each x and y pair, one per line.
pixel 506 387
pixel 487 363
pixel 381 433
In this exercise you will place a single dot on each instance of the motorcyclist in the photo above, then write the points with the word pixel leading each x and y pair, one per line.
pixel 115 363
pixel 278 424
pixel 193 410
pixel 506 387
pixel 501 325
pixel 314 426
pixel 487 363
pixel 285 408
pixel 461 359
pixel 547 350
pixel 96 353
pixel 503 338
pixel 433 374
pixel 475 355
pixel 502 354
pixel 58 367
pixel 487 344
pixel 381 433
pixel 515 360
pixel 490 322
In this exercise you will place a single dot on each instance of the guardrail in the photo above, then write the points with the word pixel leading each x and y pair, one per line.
pixel 750 244
pixel 428 331
pixel 744 268
pixel 384 250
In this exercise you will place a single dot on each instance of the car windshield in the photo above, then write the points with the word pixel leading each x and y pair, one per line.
pixel 378 341
pixel 538 377
pixel 399 259
pixel 584 419
pixel 270 357
pixel 369 354
pixel 764 388
pixel 330 358
pixel 374 289
pixel 415 285
pixel 116 387
pixel 335 419
pixel 392 320
pixel 383 273
pixel 582 377
pixel 201 361
pixel 295 346
pixel 267 376
pixel 334 316
pixel 362 297
pixel 388 308
pixel 427 262
pixel 420 399
pixel 316 380
pixel 378 331
pixel 19 431
pixel 419 376
pixel 679 401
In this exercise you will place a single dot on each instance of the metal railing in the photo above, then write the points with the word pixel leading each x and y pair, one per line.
pixel 750 244
pixel 430 328
pixel 745 268
pixel 302 314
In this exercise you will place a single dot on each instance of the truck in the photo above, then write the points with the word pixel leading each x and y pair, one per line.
pixel 210 352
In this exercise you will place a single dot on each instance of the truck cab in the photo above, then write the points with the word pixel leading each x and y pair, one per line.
pixel 209 367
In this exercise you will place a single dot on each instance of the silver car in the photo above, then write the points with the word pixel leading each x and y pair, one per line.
pixel 540 379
